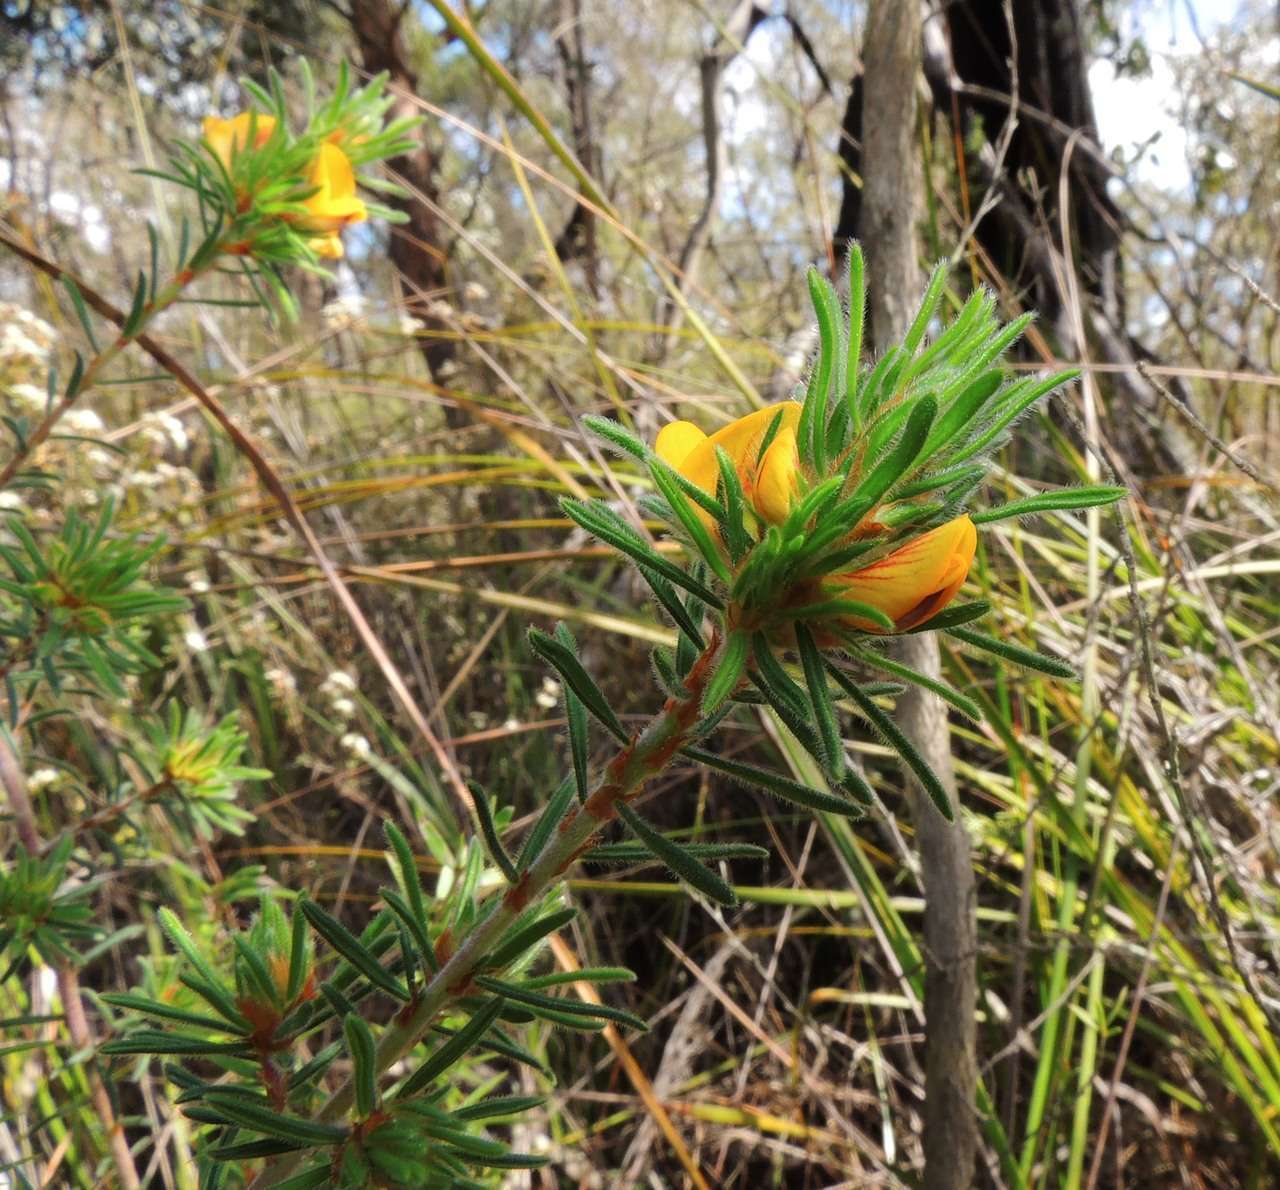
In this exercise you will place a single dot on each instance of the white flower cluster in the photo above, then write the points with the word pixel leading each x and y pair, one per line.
pixel 163 430
pixel 30 398
pixel 83 422
pixel 280 682
pixel 343 311
pixel 26 343
pixel 356 744
pixel 337 689
pixel 43 779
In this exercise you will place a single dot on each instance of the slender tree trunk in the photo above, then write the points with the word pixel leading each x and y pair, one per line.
pixel 887 226
pixel 736 31
pixel 578 239
pixel 417 248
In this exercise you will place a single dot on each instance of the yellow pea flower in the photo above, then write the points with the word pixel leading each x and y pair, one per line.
pixel 334 205
pixel 229 138
pixel 910 585
pixel 914 583
pixel 769 481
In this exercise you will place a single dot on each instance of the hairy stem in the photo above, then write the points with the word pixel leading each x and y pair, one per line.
pixel 643 758
pixel 78 1027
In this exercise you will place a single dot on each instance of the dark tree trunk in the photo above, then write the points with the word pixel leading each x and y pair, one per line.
pixel 1046 85
pixel 417 247
pixel 578 239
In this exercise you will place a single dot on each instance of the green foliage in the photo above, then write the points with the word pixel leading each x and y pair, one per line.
pixel 196 770
pixel 336 1052
pixel 74 609
pixel 41 910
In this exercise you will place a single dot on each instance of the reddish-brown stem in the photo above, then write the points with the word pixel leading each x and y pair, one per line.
pixel 642 758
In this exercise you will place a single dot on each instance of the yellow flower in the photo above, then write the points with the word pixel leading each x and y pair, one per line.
pixel 910 585
pixel 769 481
pixel 914 583
pixel 229 138
pixel 334 204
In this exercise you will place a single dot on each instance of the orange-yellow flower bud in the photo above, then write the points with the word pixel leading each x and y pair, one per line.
pixel 229 138
pixel 914 583
pixel 334 203
pixel 769 482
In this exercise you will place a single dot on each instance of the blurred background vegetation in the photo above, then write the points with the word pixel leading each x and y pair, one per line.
pixel 1111 164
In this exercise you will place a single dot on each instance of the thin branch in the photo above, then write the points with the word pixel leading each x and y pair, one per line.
pixel 280 492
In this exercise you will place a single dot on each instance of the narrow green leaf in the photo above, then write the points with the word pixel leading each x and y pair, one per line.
pixel 811 430
pixel 548 820
pixel 134 319
pixel 666 595
pixel 82 311
pixel 1064 498
pixel 444 1056
pixel 617 435
pixel 958 416
pixel 212 991
pixel 664 478
pixel 1015 654
pixel 953 617
pixel 489 831
pixel 562 659
pixel 521 994
pixel 939 479
pixel 167 1012
pixel 523 940
pixel 665 671
pixel 576 714
pixel 636 853
pixel 1017 401
pixel 895 464
pixel 832 758
pixel 350 948
pixel 770 670
pixel 408 868
pixel 678 859
pixel 857 319
pixel 151 1041
pixel 298 956
pixel 416 926
pixel 77 375
pixel 499 1107
pixel 360 1046
pixel 729 671
pixel 251 1149
pixel 928 304
pixel 263 1117
pixel 736 537
pixel 582 975
pixel 842 608
pixel 893 735
pixel 612 531
pixel 773 783
pixel 962 702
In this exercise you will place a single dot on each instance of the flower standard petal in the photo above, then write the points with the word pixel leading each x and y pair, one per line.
pixel 334 203
pixel 778 477
pixel 916 581
pixel 741 441
pixel 229 138
pixel 675 441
